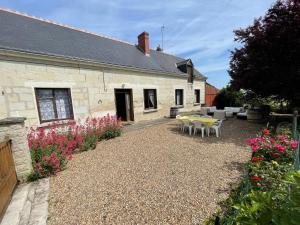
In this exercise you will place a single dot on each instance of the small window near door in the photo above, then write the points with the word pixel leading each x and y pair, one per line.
pixel 54 104
pixel 179 97
pixel 150 100
pixel 197 96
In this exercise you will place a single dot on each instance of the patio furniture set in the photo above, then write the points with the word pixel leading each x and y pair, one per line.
pixel 195 123
pixel 221 114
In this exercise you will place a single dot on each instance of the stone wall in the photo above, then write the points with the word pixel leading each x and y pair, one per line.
pixel 92 89
pixel 14 129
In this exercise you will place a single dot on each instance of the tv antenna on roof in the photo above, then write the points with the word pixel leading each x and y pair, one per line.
pixel 162 37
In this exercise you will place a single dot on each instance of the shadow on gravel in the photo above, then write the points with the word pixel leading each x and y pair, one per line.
pixel 231 166
pixel 233 131
pixel 239 166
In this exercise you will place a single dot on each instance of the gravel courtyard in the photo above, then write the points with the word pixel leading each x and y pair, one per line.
pixel 154 175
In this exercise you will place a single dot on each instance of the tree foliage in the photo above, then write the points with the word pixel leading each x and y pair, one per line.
pixel 268 63
pixel 227 97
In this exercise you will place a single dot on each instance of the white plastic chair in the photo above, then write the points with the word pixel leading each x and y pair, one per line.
pixel 216 128
pixel 187 124
pixel 180 124
pixel 203 110
pixel 199 126
pixel 220 114
pixel 206 116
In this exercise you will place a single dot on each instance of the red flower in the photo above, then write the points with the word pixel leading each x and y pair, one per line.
pixel 266 131
pixel 255 178
pixel 256 159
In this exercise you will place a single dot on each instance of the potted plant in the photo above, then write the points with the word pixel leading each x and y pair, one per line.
pixel 254 112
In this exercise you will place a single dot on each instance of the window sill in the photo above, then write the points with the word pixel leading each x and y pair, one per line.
pixel 57 123
pixel 195 104
pixel 180 106
pixel 150 110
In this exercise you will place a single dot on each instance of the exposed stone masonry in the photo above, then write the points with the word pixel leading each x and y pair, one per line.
pixel 14 128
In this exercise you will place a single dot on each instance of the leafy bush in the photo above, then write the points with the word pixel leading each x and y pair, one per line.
pixel 227 97
pixel 279 206
pixel 51 148
pixel 270 190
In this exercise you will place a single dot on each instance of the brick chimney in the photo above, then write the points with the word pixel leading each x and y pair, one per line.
pixel 143 44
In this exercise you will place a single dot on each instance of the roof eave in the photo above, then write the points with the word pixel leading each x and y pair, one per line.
pixel 26 55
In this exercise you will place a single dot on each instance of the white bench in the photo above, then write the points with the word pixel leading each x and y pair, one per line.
pixel 234 110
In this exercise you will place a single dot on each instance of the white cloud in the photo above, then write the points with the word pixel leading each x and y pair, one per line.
pixel 201 30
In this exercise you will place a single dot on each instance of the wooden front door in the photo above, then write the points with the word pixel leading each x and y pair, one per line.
pixel 8 178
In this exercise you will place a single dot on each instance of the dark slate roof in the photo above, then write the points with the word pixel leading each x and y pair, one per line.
pixel 24 33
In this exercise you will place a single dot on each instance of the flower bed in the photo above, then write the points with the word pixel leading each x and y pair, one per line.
pixel 51 148
pixel 270 191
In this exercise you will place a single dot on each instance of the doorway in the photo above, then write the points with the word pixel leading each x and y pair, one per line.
pixel 124 106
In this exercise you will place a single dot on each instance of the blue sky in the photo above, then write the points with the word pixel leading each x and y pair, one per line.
pixel 196 29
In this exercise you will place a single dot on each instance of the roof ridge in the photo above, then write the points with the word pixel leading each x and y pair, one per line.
pixel 63 25
pixel 162 52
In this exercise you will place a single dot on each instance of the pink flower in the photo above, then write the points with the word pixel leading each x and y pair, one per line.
pixel 282 137
pixel 294 144
pixel 268 146
pixel 280 148
pixel 254 147
pixel 272 140
pixel 251 141
pixel 38 166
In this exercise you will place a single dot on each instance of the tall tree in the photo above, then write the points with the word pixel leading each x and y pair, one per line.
pixel 268 63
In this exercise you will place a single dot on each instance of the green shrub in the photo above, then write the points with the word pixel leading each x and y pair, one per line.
pixel 111 133
pixel 227 97
pixel 270 191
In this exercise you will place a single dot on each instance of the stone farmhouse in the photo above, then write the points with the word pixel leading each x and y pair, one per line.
pixel 51 72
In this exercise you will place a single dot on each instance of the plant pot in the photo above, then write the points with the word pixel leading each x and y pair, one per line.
pixel 254 115
pixel 173 112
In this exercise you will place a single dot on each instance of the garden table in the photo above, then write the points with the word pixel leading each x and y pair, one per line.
pixel 208 122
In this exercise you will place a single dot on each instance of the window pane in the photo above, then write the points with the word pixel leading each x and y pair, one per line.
pixel 179 97
pixel 54 104
pixel 63 105
pixel 46 109
pixel 151 98
pixel 44 93
pixel 146 99
pixel 197 96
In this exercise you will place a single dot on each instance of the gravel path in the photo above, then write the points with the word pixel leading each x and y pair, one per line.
pixel 154 175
